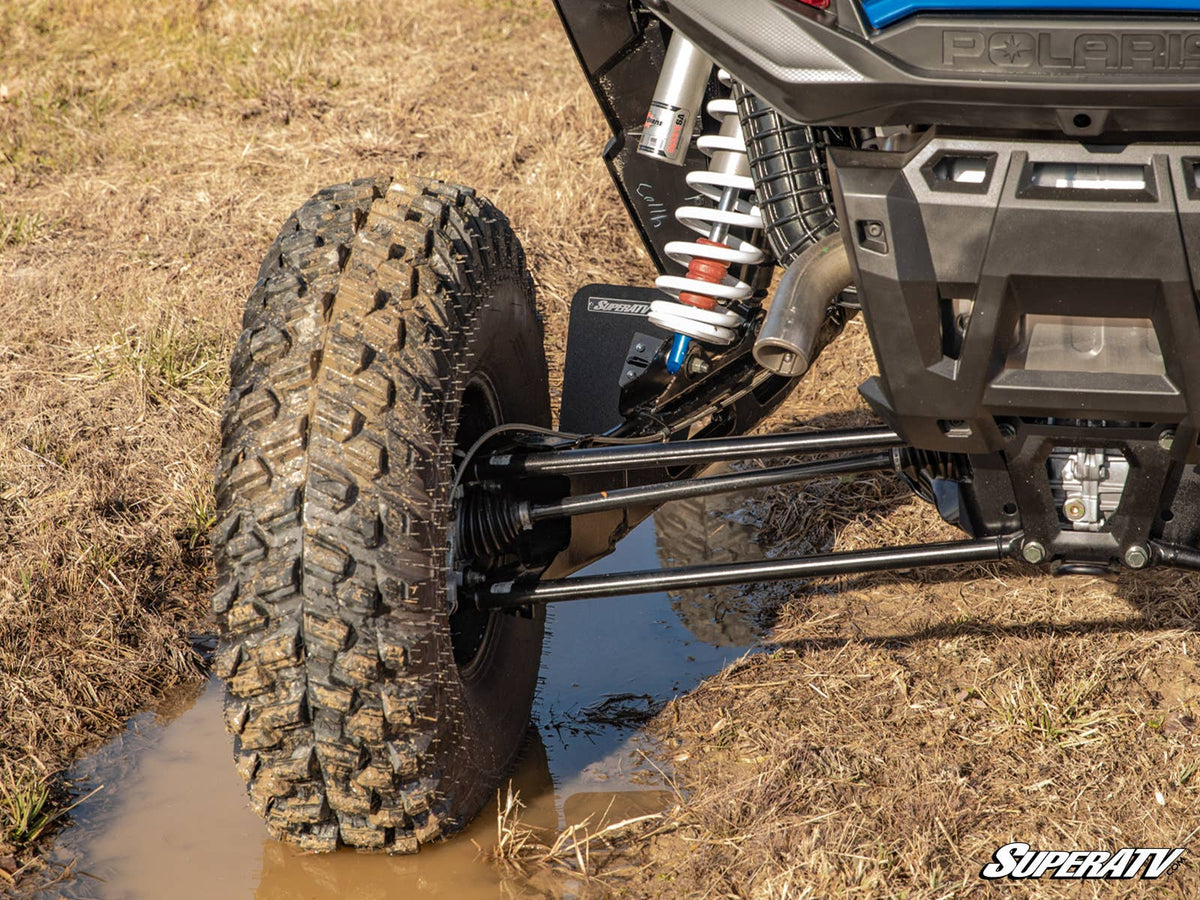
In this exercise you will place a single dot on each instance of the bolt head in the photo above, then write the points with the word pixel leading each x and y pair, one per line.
pixel 1074 510
pixel 1137 557
pixel 1166 440
pixel 874 229
pixel 1033 552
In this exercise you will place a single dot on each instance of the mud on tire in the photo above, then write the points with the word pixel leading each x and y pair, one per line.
pixel 391 323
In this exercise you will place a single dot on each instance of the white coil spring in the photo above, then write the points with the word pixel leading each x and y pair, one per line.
pixel 712 326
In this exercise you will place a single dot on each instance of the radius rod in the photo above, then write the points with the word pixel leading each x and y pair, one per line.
pixel 513 595
pixel 698 452
pixel 654 494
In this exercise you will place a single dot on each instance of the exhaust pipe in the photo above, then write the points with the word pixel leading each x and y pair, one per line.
pixel 787 341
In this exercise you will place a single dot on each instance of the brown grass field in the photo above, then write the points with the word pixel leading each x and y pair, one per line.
pixel 901 730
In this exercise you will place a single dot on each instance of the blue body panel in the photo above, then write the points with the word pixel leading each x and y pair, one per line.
pixel 885 12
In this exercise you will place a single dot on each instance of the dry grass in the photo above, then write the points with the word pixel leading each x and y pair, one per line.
pixel 148 151
pixel 867 758
pixel 594 852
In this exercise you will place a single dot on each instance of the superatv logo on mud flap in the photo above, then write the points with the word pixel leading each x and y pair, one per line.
pixel 1019 860
pixel 618 307
pixel 1058 51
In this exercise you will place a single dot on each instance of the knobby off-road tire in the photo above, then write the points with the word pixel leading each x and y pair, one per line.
pixel 391 325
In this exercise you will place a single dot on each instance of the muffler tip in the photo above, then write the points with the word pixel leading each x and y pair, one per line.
pixel 781 357
pixel 789 339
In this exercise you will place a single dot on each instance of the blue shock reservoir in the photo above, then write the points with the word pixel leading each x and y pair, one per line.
pixel 882 13
pixel 678 353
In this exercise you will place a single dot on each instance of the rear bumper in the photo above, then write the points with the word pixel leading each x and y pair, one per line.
pixel 1084 75
pixel 1021 306
pixel 957 278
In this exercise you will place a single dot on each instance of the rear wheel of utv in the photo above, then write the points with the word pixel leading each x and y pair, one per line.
pixel 391 326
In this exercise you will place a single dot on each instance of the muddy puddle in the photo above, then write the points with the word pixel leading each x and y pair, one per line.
pixel 170 819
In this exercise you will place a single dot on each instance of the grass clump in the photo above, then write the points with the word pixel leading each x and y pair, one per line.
pixel 19 228
pixel 24 804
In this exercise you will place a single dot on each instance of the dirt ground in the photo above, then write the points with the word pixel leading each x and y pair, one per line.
pixel 902 729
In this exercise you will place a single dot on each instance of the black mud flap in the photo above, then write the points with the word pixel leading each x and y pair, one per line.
pixel 609 342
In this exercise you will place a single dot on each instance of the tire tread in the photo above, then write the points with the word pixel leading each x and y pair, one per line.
pixel 330 481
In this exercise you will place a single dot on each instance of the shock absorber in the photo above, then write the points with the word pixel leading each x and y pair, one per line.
pixel 699 310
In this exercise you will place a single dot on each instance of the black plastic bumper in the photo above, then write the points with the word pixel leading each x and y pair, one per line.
pixel 1046 300
pixel 1017 250
pixel 1082 75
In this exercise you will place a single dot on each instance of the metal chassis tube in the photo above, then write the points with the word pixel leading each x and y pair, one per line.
pixel 522 592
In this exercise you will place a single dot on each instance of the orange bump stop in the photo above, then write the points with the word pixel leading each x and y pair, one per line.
pixel 711 270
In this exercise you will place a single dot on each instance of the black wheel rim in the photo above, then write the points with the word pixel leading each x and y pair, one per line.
pixel 471 628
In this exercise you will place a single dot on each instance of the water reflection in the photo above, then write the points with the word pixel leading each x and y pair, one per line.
pixel 712 530
pixel 172 819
